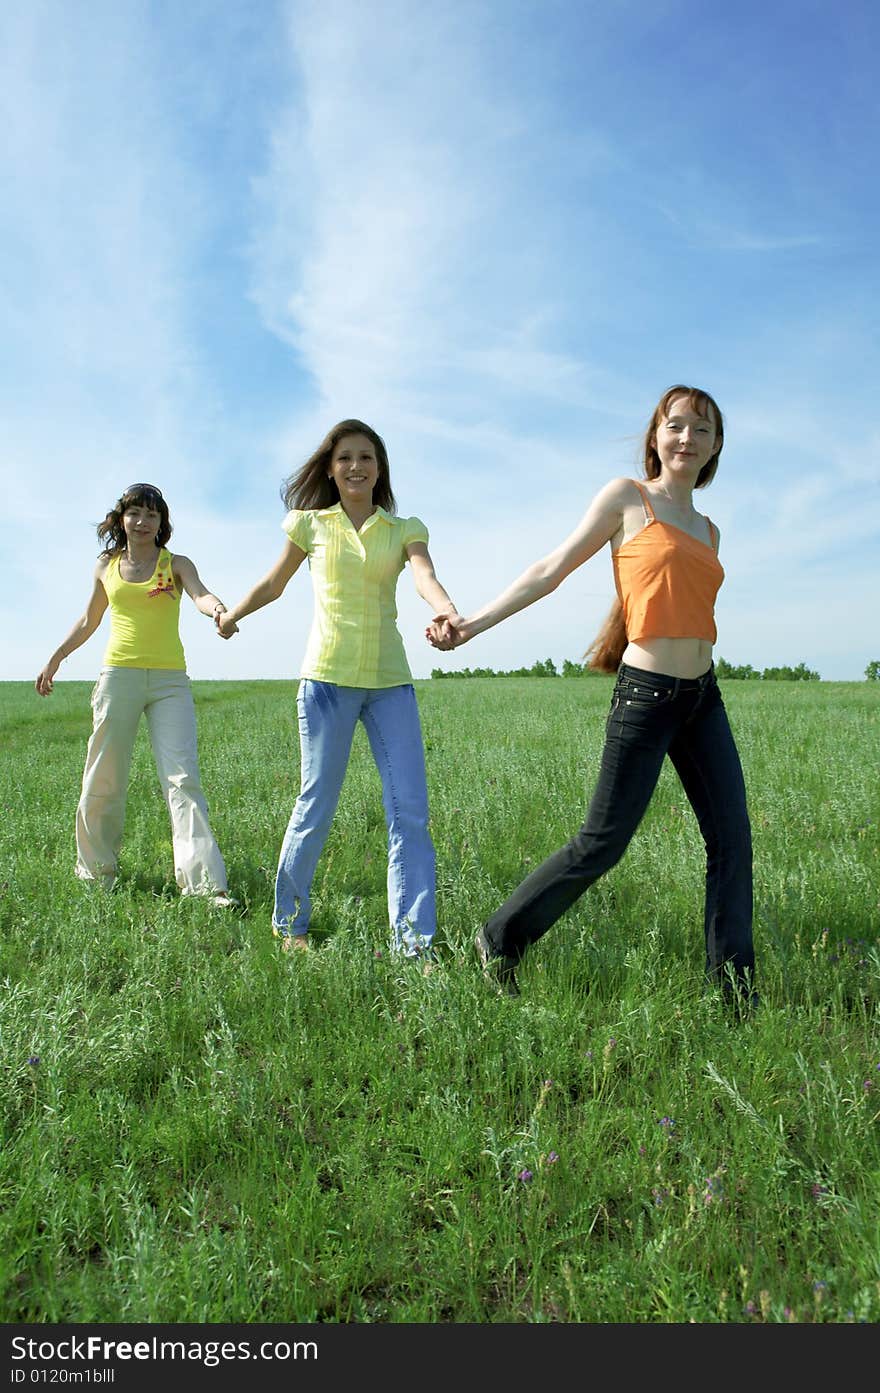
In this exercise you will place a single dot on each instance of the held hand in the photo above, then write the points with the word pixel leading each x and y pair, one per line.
pixel 225 626
pixel 440 634
pixel 45 680
pixel 447 631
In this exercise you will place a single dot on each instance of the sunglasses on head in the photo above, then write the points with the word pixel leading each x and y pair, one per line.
pixel 143 488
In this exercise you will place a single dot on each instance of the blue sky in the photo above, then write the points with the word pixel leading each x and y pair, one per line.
pixel 495 229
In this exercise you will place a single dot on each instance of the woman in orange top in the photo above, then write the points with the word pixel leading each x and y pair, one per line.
pixel 658 639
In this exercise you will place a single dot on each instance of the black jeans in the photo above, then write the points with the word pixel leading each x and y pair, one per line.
pixel 653 715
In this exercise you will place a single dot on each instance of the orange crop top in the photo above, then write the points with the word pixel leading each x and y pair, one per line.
pixel 667 581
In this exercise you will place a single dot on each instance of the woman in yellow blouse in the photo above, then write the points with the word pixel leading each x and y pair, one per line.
pixel 343 519
pixel 144 673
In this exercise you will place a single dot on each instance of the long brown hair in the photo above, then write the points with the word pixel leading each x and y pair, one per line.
pixel 606 650
pixel 311 486
pixel 111 531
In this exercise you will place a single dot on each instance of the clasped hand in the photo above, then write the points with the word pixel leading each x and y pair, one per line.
pixel 225 626
pixel 446 632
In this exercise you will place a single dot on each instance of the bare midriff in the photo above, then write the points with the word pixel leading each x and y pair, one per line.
pixel 678 657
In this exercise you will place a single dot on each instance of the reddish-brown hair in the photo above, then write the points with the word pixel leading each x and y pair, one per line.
pixel 606 650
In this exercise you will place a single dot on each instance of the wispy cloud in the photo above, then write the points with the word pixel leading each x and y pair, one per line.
pixel 388 259
pixel 728 237
pixel 223 228
pixel 103 221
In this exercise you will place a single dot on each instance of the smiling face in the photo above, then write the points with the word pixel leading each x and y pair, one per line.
pixel 685 439
pixel 141 524
pixel 354 469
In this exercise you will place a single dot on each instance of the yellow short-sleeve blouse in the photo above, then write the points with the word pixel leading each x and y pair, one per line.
pixel 354 640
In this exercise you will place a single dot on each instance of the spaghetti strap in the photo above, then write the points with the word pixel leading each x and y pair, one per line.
pixel 713 533
pixel 649 511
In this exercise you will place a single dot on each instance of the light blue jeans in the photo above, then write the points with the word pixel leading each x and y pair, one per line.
pixel 328 715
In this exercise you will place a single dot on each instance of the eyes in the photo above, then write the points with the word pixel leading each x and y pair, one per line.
pixel 677 425
pixel 150 514
pixel 346 456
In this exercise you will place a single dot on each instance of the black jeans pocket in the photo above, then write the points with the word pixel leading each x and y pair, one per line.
pixel 645 694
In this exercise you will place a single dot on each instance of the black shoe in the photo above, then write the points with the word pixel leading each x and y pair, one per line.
pixel 498 969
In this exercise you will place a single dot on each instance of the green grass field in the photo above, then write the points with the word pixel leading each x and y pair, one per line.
pixel 196 1128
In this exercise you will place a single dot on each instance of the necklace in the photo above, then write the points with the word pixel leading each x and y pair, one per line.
pixel 146 564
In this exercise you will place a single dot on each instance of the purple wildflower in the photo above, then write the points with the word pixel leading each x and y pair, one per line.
pixel 552 1158
pixel 525 1176
pixel 34 1060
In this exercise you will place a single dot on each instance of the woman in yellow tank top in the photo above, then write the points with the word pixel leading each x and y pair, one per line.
pixel 658 640
pixel 144 673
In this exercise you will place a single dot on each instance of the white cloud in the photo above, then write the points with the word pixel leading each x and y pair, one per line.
pixel 392 257
pixel 434 242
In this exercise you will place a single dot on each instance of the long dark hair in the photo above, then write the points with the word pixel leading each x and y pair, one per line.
pixel 311 486
pixel 606 650
pixel 111 531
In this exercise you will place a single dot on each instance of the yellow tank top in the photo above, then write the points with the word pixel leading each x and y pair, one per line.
pixel 144 618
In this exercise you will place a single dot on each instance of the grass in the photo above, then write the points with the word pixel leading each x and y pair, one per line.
pixel 197 1128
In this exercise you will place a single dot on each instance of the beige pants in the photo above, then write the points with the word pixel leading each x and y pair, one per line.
pixel 121 696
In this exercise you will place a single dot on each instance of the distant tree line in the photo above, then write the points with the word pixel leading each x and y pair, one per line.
pixel 746 672
pixel 723 669
pixel 872 671
pixel 547 668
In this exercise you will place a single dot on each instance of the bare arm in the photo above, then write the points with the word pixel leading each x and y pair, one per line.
pixel 82 630
pixel 265 591
pixel 426 582
pixel 603 518
pixel 188 578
